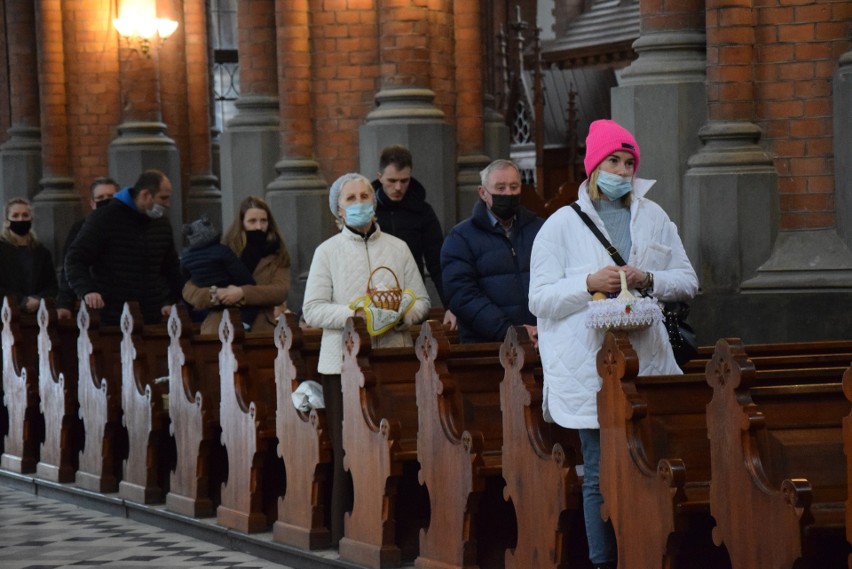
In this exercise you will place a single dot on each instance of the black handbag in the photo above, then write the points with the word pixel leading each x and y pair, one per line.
pixel 681 335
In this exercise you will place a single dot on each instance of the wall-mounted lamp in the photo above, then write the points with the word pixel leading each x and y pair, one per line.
pixel 138 22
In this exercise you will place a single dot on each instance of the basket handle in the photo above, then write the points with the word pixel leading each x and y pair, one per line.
pixel 370 279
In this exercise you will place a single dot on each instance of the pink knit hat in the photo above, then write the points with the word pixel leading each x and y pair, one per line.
pixel 606 137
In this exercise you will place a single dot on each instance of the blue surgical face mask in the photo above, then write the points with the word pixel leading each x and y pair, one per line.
pixel 614 186
pixel 360 214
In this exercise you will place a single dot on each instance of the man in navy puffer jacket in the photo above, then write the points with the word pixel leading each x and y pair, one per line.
pixel 485 259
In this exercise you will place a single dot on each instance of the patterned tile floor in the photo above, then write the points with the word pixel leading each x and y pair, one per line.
pixel 38 533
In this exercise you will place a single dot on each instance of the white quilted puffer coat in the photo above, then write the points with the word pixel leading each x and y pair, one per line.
pixel 565 252
pixel 339 272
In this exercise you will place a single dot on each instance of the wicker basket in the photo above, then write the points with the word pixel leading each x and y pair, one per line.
pixel 388 299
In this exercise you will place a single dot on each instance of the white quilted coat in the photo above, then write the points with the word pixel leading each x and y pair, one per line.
pixel 564 253
pixel 339 272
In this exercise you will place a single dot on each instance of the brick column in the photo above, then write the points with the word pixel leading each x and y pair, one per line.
pixel 731 179
pixel 204 197
pixel 298 195
pixel 668 79
pixel 20 154
pixel 843 147
pixel 142 142
pixel 5 118
pixel 405 111
pixel 470 119
pixel 249 144
pixel 56 205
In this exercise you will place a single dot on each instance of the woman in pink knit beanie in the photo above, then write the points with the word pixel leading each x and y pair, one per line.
pixel 570 265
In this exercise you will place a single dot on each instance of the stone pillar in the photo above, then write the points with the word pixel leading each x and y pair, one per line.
pixel 298 197
pixel 204 197
pixel 662 101
pixel 405 111
pixel 250 142
pixel 20 155
pixel 731 208
pixel 470 111
pixel 142 143
pixel 843 147
pixel 56 206
pixel 496 133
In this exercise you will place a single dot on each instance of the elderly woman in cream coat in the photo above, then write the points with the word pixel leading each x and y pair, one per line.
pixel 339 273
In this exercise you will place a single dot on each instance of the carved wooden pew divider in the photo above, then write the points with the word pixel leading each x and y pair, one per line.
pixel 777 445
pixel 380 446
pixel 57 379
pixel 145 415
pixel 459 440
pixel 194 410
pixel 247 416
pixel 99 395
pixel 655 461
pixel 20 390
pixel 303 443
pixel 539 465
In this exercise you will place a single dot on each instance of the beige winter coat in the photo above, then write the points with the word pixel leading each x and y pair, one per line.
pixel 273 284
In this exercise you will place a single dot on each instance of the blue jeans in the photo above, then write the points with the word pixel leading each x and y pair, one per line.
pixel 602 547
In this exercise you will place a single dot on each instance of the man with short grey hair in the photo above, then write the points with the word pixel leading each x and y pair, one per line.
pixel 486 259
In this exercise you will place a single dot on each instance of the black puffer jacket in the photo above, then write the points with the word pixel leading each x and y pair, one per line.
pixel 131 257
pixel 38 279
pixel 414 221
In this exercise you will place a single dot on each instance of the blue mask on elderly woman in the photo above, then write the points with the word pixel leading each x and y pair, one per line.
pixel 614 186
pixel 360 214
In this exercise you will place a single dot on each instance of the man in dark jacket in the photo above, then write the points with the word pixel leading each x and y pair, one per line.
pixel 486 259
pixel 100 192
pixel 125 251
pixel 403 212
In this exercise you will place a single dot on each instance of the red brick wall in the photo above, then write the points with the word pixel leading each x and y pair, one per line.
pixel 345 69
pixel 90 70
pixel 771 62
pixel 257 46
pixel 22 93
pixel 798 45
pixel 668 15
pixel 442 65
pixel 5 111
pixel 197 88
pixel 55 107
pixel 470 78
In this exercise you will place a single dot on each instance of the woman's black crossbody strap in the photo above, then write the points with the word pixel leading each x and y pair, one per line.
pixel 613 252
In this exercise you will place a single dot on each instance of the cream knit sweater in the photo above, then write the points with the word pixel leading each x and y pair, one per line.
pixel 339 272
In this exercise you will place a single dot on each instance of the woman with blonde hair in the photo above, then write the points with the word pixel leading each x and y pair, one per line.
pixel 255 238
pixel 26 266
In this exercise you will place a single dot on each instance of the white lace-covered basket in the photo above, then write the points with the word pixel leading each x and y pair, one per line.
pixel 619 314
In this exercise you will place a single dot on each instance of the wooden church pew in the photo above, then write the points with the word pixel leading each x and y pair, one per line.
pixel 99 395
pixel 459 445
pixel 57 380
pixel 247 417
pixel 380 444
pixel 539 466
pixel 303 441
pixel 656 454
pixel 20 389
pixel 150 450
pixel 194 384
pixel 778 449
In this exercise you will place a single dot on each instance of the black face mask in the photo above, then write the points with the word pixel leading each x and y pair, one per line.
pixel 20 227
pixel 256 237
pixel 505 206
pixel 102 203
